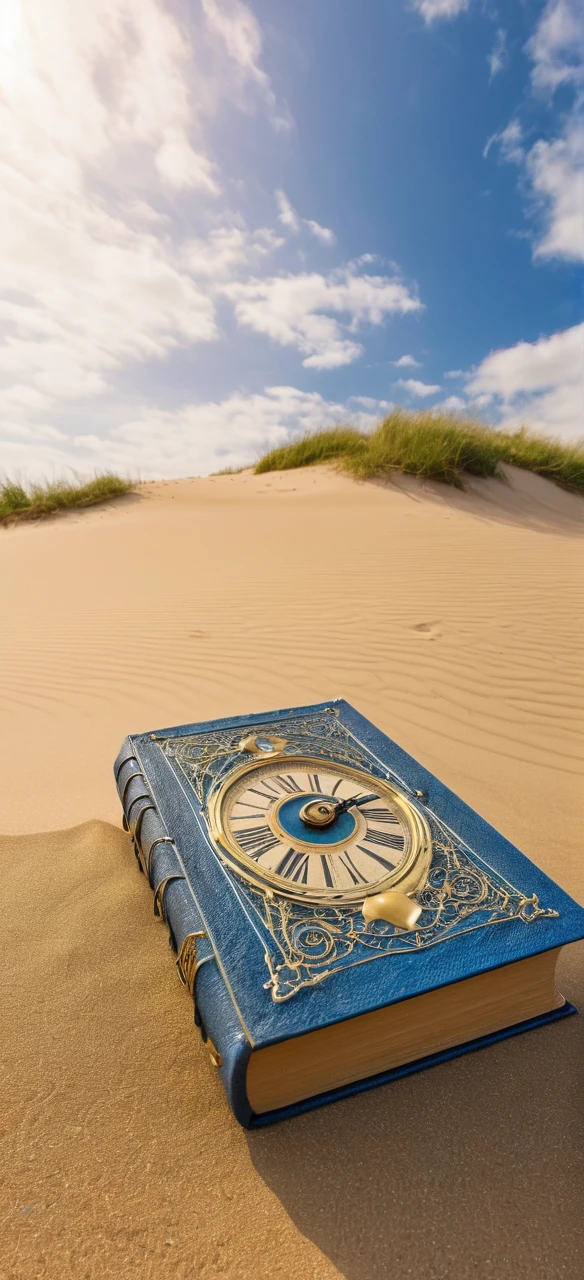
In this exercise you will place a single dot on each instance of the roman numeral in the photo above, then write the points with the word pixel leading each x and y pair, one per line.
pixel 347 862
pixel 379 815
pixel 289 863
pixel 271 795
pixel 244 804
pixel 257 840
pixel 287 784
pixel 245 817
pixel 314 782
pixel 327 871
pixel 301 873
pixel 389 866
pixel 384 838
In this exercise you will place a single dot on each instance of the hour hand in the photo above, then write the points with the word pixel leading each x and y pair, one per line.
pixel 321 813
pixel 355 802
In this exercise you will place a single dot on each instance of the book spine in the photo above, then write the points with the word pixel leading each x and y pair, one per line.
pixel 175 904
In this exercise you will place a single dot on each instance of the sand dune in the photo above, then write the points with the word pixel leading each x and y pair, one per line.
pixel 453 620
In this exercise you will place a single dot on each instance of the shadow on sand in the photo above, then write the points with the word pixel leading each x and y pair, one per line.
pixel 472 1169
pixel 518 498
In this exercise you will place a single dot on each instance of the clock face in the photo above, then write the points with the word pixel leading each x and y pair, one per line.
pixel 313 829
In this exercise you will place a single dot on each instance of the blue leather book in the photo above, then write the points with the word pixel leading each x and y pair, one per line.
pixel 339 916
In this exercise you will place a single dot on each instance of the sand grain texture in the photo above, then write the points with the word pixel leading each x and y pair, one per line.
pixel 452 620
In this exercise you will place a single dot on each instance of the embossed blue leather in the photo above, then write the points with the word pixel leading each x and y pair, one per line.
pixel 232 996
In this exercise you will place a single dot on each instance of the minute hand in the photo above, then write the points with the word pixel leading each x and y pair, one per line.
pixel 354 802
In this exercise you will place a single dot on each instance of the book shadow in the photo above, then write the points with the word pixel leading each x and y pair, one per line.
pixel 472 1168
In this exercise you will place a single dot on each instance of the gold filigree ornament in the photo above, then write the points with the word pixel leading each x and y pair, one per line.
pixel 444 887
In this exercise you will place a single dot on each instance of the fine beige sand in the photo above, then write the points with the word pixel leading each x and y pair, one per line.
pixel 453 620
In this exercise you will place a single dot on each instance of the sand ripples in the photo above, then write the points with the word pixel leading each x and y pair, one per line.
pixel 458 634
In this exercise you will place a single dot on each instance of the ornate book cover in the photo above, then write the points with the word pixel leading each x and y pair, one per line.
pixel 265 964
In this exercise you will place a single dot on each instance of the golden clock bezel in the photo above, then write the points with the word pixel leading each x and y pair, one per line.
pixel 408 877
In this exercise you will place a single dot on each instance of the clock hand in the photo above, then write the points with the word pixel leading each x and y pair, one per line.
pixel 354 802
pixel 321 813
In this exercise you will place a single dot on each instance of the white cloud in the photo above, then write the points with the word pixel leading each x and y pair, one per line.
pixel 537 383
pixel 101 137
pixel 369 402
pixel 553 168
pixel 557 46
pixel 556 171
pixel 194 440
pixel 453 403
pixel 499 55
pixel 294 310
pixel 293 222
pixel 406 362
pixel 286 212
pixel 234 24
pixel 324 234
pixel 434 10
pixel 416 388
pixel 90 280
pixel 454 373
pixel 227 248
pixel 510 141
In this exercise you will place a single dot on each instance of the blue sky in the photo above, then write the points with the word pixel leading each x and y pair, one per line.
pixel 229 223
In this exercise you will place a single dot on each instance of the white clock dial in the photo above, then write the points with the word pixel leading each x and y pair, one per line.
pixel 286 823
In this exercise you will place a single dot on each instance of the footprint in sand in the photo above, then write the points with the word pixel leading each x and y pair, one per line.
pixel 429 630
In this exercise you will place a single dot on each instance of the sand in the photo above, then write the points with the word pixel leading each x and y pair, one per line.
pixel 452 620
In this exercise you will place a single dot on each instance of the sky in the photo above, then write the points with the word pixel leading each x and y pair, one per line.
pixel 226 224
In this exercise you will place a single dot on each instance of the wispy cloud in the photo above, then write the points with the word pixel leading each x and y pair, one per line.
pixel 287 213
pixel 295 311
pixel 498 58
pixel 238 29
pixel 435 10
pixel 228 248
pixel 293 222
pixel 419 389
pixel 324 234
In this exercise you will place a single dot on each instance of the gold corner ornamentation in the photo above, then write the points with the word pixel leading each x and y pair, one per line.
pixel 461 895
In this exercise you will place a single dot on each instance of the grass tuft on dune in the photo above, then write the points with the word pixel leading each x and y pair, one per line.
pixel 18 502
pixel 433 446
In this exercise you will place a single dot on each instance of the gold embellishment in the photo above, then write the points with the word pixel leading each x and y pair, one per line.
pixel 187 961
pixel 307 942
pixel 204 758
pixel 396 908
pixel 128 782
pixel 253 744
pixel 214 1054
pixel 159 840
pixel 134 827
pixel 124 762
pixel 159 896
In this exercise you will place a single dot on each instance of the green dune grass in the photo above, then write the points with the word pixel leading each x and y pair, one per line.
pixel 434 446
pixel 18 502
